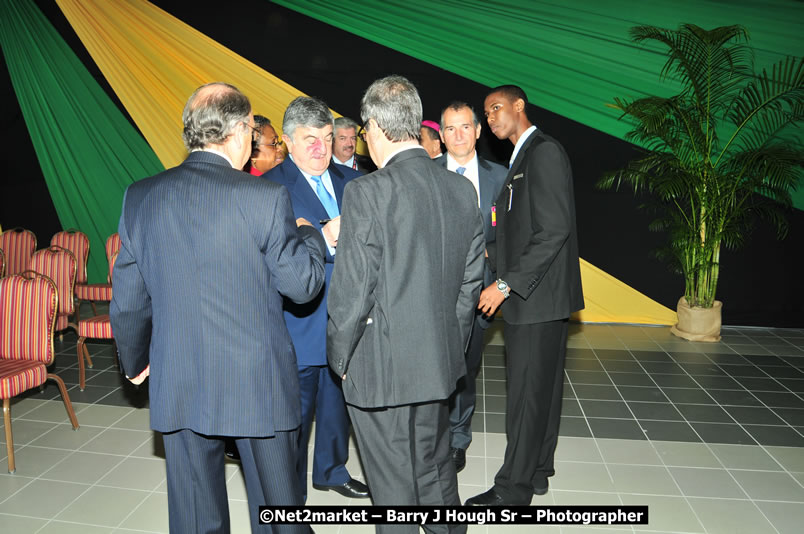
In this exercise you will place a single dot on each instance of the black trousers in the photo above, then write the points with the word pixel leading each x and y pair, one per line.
pixel 405 453
pixel 463 399
pixel 535 355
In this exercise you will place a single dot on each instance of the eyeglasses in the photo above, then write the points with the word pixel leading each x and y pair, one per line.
pixel 255 133
pixel 276 143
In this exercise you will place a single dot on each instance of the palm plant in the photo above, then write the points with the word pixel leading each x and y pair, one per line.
pixel 729 134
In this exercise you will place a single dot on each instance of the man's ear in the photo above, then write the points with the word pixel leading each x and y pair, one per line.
pixel 519 105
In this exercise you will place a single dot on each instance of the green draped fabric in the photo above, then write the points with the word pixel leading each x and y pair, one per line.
pixel 571 58
pixel 88 151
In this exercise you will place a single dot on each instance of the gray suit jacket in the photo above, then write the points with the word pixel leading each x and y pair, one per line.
pixel 206 254
pixel 536 251
pixel 405 287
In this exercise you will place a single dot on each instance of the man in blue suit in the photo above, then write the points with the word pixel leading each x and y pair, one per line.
pixel 316 187
pixel 460 130
pixel 207 253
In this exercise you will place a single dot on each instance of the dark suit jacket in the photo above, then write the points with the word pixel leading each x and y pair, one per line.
pixel 491 177
pixel 536 251
pixel 307 322
pixel 206 254
pixel 364 164
pixel 404 290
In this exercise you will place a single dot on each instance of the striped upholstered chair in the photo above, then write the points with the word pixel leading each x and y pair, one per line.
pixel 100 292
pixel 76 242
pixel 18 244
pixel 28 309
pixel 59 265
pixel 97 327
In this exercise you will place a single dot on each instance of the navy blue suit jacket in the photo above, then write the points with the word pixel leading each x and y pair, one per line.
pixel 491 177
pixel 206 253
pixel 308 322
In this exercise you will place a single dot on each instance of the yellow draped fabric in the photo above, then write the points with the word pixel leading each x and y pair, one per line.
pixel 154 61
pixel 609 300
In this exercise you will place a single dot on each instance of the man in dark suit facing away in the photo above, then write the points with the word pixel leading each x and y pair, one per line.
pixel 539 281
pixel 401 305
pixel 207 253
pixel 460 130
pixel 316 187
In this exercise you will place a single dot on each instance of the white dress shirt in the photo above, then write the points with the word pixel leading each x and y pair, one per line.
pixel 471 173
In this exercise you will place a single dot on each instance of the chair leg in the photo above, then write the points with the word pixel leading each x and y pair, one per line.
pixel 82 349
pixel 86 355
pixel 65 398
pixel 9 439
pixel 94 309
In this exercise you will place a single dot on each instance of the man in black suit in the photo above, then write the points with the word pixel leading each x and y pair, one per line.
pixel 402 303
pixel 344 144
pixel 206 254
pixel 460 130
pixel 536 260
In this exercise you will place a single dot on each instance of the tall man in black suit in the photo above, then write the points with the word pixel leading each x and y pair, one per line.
pixel 401 305
pixel 206 254
pixel 316 188
pixel 344 145
pixel 536 260
pixel 460 130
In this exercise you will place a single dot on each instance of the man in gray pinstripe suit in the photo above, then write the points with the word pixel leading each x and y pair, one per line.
pixel 207 253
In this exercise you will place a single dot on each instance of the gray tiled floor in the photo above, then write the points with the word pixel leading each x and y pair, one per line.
pixel 709 436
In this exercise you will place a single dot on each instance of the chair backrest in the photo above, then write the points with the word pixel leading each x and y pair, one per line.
pixel 59 265
pixel 112 247
pixel 76 242
pixel 111 265
pixel 18 244
pixel 28 305
pixel 2 263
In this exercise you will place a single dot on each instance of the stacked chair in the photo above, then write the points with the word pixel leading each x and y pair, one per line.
pixel 76 242
pixel 97 327
pixel 18 245
pixel 29 304
pixel 59 265
pixel 99 292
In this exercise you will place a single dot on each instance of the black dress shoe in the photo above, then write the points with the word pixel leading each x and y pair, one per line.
pixel 489 498
pixel 354 489
pixel 541 490
pixel 458 458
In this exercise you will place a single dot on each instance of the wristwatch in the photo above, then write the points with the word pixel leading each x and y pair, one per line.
pixel 503 287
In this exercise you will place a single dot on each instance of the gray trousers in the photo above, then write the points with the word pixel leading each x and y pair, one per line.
pixel 405 453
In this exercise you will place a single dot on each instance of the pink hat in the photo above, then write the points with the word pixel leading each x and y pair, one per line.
pixel 432 124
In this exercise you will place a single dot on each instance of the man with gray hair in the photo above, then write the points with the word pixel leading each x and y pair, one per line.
pixel 316 190
pixel 206 254
pixel 344 145
pixel 401 305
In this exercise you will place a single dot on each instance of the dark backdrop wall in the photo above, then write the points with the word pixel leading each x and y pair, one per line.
pixel 760 285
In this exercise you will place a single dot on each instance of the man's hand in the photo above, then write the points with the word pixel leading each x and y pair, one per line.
pixel 490 299
pixel 301 221
pixel 332 230
pixel 140 378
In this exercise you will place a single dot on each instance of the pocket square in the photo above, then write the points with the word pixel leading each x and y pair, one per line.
pixel 518 176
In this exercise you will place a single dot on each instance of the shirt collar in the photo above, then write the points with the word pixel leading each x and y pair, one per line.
pixel 519 143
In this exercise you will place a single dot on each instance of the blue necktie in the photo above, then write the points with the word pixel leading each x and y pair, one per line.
pixel 460 170
pixel 326 199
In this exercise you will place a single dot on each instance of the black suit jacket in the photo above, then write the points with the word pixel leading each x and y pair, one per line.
pixel 536 251
pixel 404 291
pixel 364 164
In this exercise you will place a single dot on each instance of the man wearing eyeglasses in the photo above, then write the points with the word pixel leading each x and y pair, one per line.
pixel 344 144
pixel 206 255
pixel 316 187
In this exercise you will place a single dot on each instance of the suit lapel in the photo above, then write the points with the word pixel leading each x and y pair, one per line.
pixel 303 194
pixel 338 183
